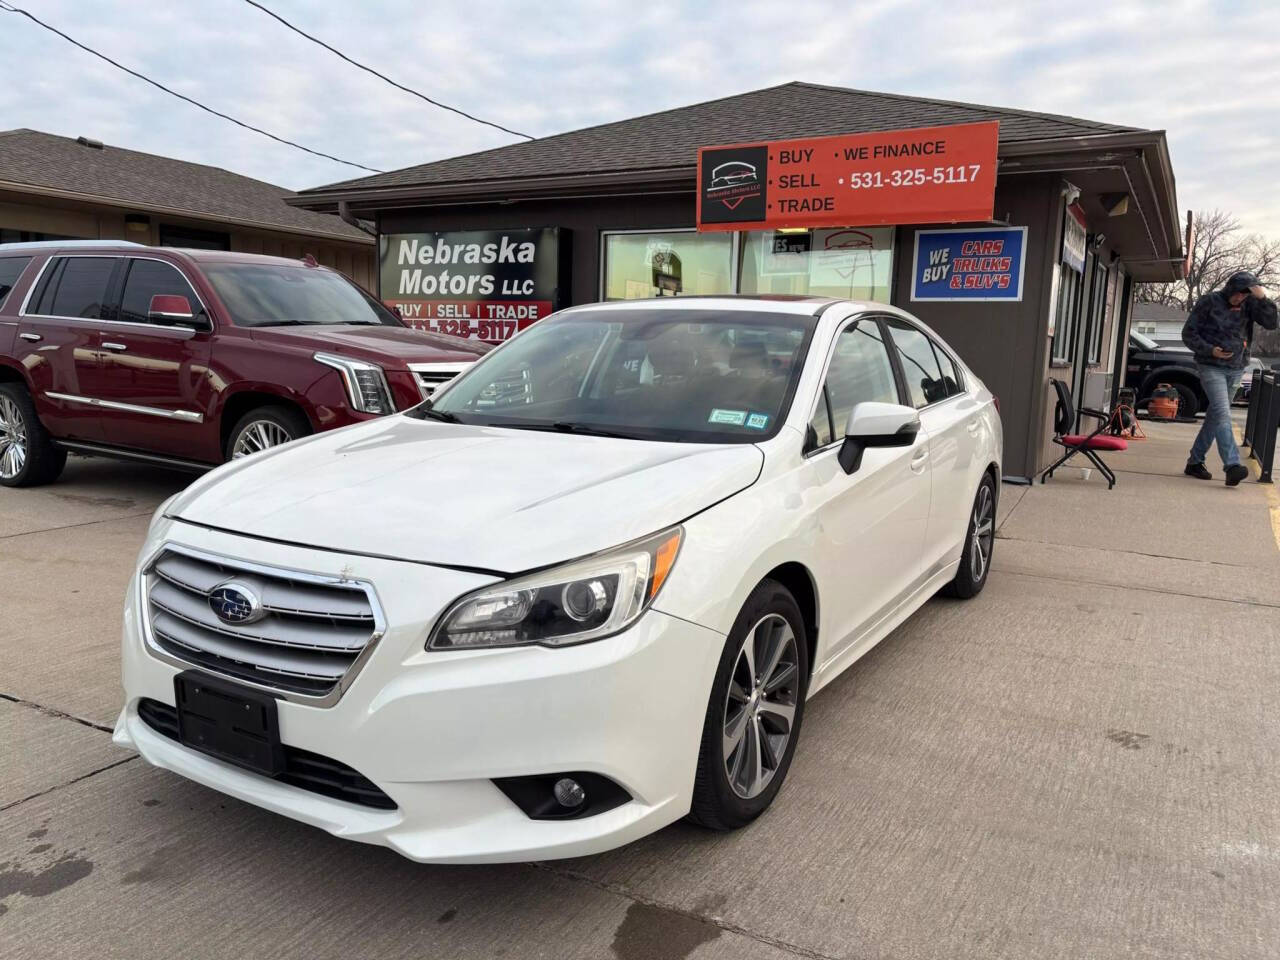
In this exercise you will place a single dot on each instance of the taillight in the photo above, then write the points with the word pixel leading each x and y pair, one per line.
pixel 996 401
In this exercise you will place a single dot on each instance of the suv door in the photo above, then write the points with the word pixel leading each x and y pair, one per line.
pixel 58 343
pixel 156 374
pixel 872 522
pixel 953 420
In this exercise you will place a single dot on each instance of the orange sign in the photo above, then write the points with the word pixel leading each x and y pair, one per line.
pixel 926 175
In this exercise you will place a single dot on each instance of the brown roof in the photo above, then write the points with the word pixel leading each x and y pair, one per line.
pixel 146 182
pixel 1158 311
pixel 670 139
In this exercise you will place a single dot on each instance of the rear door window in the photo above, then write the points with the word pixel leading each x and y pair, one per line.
pixel 925 383
pixel 150 278
pixel 951 377
pixel 81 288
pixel 10 270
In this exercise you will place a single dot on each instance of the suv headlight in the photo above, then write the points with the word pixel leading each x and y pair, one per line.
pixel 366 383
pixel 584 600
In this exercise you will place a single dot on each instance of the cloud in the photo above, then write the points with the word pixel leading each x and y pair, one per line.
pixel 1183 66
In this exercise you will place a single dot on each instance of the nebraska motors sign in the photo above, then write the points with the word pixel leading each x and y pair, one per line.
pixel 926 175
pixel 483 284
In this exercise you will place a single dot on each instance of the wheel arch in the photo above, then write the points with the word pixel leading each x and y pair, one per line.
pixel 13 373
pixel 1170 374
pixel 237 404
pixel 799 581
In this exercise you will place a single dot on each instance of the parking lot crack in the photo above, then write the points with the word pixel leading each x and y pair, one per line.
pixel 72 526
pixel 52 712
pixel 92 773
pixel 718 922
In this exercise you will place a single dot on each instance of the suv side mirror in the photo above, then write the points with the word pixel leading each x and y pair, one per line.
pixel 171 310
pixel 876 425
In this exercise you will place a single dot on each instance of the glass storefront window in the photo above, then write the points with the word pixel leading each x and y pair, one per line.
pixel 640 265
pixel 851 263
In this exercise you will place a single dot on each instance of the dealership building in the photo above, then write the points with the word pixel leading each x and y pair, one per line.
pixel 1075 213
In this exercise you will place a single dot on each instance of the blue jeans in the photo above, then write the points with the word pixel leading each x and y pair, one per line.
pixel 1219 386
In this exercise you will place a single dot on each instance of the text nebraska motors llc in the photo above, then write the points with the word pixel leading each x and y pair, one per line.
pixel 462 282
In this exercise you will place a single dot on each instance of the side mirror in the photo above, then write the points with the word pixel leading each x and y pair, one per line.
pixel 876 425
pixel 171 310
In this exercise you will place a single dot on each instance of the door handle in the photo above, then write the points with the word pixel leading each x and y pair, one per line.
pixel 118 347
pixel 972 426
pixel 33 337
pixel 920 456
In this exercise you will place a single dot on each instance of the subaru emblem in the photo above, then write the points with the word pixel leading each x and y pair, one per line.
pixel 236 603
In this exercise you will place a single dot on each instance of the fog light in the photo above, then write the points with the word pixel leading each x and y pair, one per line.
pixel 569 793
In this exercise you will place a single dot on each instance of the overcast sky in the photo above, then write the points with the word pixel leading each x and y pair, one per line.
pixel 1208 73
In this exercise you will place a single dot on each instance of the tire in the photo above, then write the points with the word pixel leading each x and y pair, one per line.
pixel 263 428
pixel 28 455
pixel 979 544
pixel 720 802
pixel 1189 403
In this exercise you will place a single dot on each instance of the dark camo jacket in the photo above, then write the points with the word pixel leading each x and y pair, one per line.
pixel 1213 323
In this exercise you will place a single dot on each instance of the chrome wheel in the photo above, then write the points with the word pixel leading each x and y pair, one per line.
pixel 13 439
pixel 760 707
pixel 258 436
pixel 984 533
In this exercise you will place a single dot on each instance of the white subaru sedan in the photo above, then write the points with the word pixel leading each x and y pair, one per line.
pixel 581 593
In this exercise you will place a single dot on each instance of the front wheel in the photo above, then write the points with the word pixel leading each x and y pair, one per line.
pixel 28 455
pixel 1188 402
pixel 979 543
pixel 263 429
pixel 753 716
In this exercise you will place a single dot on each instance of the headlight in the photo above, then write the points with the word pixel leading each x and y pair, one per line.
pixel 366 383
pixel 584 600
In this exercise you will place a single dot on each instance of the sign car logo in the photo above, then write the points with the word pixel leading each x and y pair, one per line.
pixel 733 184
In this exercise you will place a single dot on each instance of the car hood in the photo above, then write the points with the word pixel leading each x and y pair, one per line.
pixel 374 343
pixel 466 496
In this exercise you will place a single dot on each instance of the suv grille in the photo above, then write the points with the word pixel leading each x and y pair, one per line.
pixel 302 768
pixel 303 635
pixel 432 376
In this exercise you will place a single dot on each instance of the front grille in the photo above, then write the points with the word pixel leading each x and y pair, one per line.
pixel 311 634
pixel 432 376
pixel 302 768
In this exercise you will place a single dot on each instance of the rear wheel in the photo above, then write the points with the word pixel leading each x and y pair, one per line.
pixel 753 716
pixel 264 428
pixel 979 543
pixel 28 455
pixel 1188 402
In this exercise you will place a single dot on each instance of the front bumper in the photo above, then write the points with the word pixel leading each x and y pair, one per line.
pixel 433 730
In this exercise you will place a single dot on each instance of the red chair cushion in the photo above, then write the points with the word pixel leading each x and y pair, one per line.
pixel 1101 442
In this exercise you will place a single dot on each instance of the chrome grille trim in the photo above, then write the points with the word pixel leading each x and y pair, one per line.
pixel 316 634
pixel 432 376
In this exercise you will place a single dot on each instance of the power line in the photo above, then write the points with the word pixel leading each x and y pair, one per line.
pixel 9 8
pixel 380 76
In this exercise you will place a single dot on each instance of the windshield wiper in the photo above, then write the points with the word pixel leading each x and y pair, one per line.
pixel 565 426
pixel 444 416
pixel 284 323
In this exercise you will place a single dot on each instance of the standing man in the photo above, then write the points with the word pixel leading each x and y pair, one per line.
pixel 1219 331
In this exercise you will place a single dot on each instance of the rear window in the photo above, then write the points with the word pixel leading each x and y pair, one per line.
pixel 10 270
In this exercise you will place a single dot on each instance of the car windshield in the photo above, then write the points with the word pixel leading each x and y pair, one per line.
pixel 706 376
pixel 276 295
pixel 1143 341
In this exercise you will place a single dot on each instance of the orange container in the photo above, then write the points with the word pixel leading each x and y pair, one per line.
pixel 1164 402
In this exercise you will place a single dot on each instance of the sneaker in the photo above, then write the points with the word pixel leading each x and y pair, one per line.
pixel 1198 471
pixel 1235 473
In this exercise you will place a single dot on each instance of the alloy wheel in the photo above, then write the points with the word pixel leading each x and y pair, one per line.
pixel 13 439
pixel 760 708
pixel 258 436
pixel 984 533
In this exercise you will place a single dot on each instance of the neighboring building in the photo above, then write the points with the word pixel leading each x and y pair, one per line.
pixel 611 211
pixel 56 188
pixel 1159 322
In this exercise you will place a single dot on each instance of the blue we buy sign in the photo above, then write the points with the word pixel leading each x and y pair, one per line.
pixel 969 263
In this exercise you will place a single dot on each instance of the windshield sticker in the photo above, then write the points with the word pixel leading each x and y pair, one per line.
pixel 758 421
pixel 733 417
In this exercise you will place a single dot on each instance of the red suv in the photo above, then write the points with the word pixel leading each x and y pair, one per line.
pixel 192 357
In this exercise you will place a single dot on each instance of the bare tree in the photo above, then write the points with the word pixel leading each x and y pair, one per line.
pixel 1219 249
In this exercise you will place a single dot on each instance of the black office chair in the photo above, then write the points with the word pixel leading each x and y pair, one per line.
pixel 1064 418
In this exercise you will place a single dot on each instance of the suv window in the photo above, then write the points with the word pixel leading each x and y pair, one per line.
pixel 150 278
pixel 10 270
pixel 860 372
pixel 80 288
pixel 920 369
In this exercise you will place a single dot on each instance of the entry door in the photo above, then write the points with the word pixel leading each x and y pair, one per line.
pixel 58 344
pixel 871 524
pixel 954 424
pixel 157 376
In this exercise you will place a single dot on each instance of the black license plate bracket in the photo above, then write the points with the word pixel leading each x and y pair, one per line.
pixel 229 722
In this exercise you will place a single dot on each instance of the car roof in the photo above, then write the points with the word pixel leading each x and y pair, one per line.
pixel 125 247
pixel 763 303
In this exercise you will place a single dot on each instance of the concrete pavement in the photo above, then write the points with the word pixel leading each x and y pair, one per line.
pixel 1084 761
